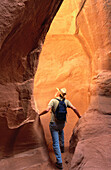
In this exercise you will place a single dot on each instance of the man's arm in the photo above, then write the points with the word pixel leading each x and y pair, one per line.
pixel 45 111
pixel 75 110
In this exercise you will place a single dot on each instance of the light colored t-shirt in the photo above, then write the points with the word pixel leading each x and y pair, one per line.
pixel 54 103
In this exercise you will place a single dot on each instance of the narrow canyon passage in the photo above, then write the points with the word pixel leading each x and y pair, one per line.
pixel 76 54
pixel 62 63
pixel 79 62
pixel 58 72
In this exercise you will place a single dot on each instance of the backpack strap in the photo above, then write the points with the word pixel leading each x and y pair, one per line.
pixel 59 99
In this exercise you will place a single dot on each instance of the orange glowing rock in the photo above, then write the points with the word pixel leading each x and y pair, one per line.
pixel 82 64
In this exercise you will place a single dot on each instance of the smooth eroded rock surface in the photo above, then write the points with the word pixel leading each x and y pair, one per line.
pixel 23 26
pixel 91 139
pixel 81 62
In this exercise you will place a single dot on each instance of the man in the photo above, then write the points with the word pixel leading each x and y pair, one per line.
pixel 56 126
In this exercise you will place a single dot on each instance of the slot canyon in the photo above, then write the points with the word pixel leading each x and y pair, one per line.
pixel 49 44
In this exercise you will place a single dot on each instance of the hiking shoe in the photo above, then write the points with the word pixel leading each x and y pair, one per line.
pixel 59 165
pixel 62 149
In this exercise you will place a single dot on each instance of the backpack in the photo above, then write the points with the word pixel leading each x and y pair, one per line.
pixel 61 111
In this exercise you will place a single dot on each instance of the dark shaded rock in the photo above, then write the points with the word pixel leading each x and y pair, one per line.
pixel 91 139
pixel 23 26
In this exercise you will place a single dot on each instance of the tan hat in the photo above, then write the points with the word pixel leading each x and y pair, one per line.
pixel 62 91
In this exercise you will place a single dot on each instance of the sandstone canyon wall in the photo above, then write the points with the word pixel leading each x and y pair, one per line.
pixel 91 139
pixel 23 26
pixel 63 63
pixel 81 62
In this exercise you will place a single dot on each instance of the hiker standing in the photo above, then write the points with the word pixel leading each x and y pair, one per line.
pixel 58 107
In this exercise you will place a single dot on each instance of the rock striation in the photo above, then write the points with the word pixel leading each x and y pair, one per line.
pixel 82 63
pixel 87 46
pixel 23 26
pixel 91 139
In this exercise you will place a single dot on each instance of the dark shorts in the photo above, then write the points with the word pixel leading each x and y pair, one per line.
pixel 58 126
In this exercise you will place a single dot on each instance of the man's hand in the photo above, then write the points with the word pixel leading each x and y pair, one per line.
pixel 80 117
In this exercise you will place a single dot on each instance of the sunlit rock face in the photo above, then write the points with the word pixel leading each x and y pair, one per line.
pixel 23 26
pixel 81 62
pixel 63 63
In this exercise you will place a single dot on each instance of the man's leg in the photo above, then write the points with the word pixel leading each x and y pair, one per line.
pixel 61 138
pixel 56 147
